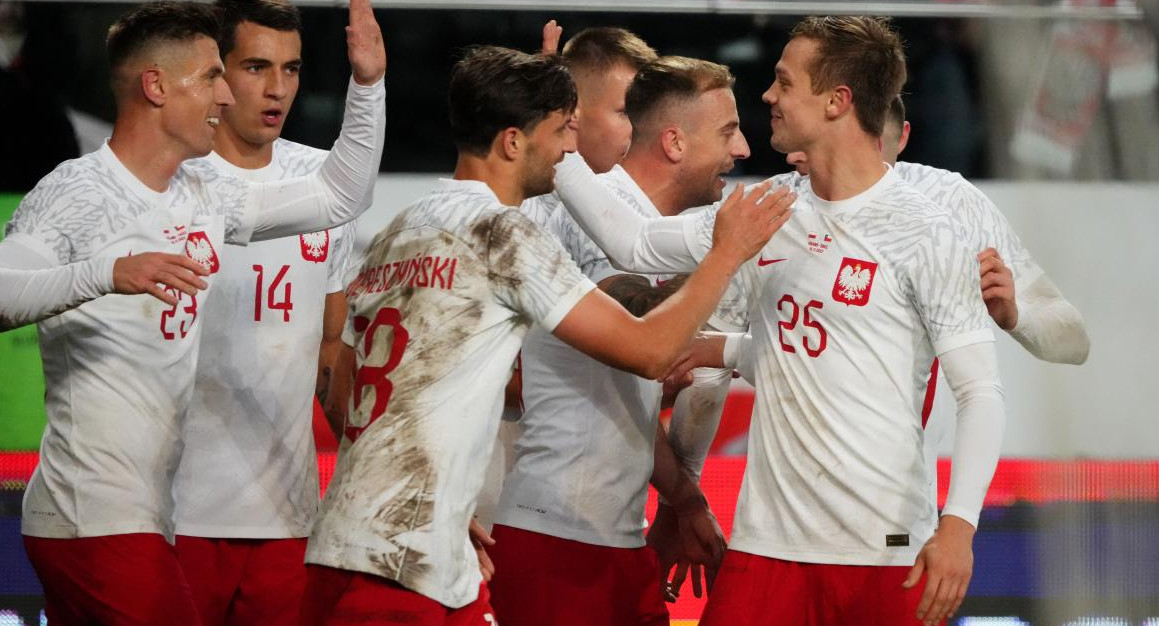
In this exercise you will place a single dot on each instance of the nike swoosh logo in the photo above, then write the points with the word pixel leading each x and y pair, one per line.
pixel 761 262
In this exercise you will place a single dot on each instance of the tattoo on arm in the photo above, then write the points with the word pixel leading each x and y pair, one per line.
pixel 636 293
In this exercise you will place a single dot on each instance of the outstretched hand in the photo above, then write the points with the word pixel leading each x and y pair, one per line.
pixel 364 45
pixel 159 274
pixel 746 221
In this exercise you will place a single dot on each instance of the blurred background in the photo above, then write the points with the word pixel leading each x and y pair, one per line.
pixel 1051 108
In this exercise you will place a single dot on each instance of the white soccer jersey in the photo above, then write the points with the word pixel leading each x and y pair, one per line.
pixel 981 224
pixel 848 305
pixel 441 305
pixel 583 457
pixel 118 368
pixel 249 467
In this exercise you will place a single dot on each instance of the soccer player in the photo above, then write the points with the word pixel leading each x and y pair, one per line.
pixel 112 254
pixel 848 305
pixel 246 489
pixel 602 62
pixel 583 457
pixel 1020 297
pixel 440 307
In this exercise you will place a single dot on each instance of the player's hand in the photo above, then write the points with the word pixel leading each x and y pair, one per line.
pixel 664 538
pixel 947 560
pixel 703 547
pixel 746 221
pixel 706 350
pixel 480 538
pixel 551 34
pixel 153 272
pixel 998 289
pixel 364 44
pixel 673 385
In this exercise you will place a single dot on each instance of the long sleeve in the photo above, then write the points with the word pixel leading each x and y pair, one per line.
pixel 341 190
pixel 972 372
pixel 33 287
pixel 1049 326
pixel 632 242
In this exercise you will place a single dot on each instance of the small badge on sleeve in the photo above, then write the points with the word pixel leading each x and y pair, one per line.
pixel 896 541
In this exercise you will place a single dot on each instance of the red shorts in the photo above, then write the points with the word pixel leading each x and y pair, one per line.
pixel 112 580
pixel 244 581
pixel 540 579
pixel 751 590
pixel 337 597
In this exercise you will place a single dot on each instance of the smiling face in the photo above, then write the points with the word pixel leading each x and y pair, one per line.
pixel 194 98
pixel 797 113
pixel 715 142
pixel 262 72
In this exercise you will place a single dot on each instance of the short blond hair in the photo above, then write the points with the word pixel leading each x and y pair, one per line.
pixel 668 80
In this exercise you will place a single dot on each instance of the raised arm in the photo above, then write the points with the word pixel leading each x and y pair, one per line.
pixel 651 344
pixel 342 188
pixel 632 242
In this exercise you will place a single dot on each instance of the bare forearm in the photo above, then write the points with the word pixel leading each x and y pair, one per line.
pixel 338 393
pixel 672 482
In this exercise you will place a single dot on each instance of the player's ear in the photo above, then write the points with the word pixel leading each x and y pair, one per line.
pixel 903 141
pixel 510 142
pixel 153 85
pixel 840 101
pixel 674 143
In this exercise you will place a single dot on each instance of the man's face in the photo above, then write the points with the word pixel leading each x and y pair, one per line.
pixel 605 133
pixel 195 96
pixel 797 112
pixel 262 72
pixel 715 142
pixel 546 144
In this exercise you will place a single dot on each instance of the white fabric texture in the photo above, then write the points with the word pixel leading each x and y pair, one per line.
pixel 446 294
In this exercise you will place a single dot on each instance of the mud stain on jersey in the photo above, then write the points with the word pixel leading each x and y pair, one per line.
pixel 438 325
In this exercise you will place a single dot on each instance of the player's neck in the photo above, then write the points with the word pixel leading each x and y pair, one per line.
pixel 239 152
pixel 147 156
pixel 840 172
pixel 656 181
pixel 501 178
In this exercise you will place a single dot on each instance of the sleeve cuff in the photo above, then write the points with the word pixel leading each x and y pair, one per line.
pixel 962 512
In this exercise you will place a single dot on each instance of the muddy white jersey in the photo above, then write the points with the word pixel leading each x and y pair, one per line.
pixel 848 305
pixel 583 456
pixel 118 369
pixel 249 467
pixel 440 307
pixel 981 224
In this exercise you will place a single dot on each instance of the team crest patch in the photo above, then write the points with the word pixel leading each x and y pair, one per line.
pixel 315 246
pixel 200 249
pixel 854 281
pixel 819 243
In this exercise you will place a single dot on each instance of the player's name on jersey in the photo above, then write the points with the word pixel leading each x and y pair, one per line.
pixel 435 272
